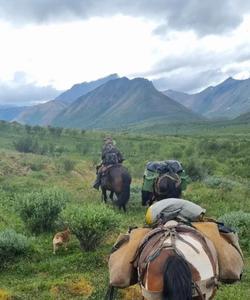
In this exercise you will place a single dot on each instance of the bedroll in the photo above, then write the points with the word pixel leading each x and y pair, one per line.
pixel 122 273
pixel 230 256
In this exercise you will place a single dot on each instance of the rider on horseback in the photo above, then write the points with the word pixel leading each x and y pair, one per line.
pixel 110 156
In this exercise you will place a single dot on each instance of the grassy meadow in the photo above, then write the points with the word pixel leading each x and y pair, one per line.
pixel 36 160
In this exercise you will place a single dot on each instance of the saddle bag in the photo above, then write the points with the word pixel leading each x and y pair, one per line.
pixel 122 273
pixel 228 250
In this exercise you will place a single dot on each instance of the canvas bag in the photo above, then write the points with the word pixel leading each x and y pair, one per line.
pixel 171 208
pixel 122 273
pixel 230 258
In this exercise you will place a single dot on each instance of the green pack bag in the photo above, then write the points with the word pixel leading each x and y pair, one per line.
pixel 148 180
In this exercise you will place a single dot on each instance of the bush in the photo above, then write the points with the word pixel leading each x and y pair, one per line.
pixel 220 182
pixel 39 210
pixel 68 165
pixel 90 223
pixel 240 221
pixel 24 144
pixel 12 244
pixel 195 170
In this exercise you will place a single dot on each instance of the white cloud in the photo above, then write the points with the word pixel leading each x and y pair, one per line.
pixel 64 54
pixel 126 39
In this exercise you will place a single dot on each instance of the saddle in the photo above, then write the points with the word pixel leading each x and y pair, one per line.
pixel 104 169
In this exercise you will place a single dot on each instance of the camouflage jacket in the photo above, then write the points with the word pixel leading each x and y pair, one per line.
pixel 109 148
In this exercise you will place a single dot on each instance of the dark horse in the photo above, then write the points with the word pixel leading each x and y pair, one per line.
pixel 117 180
pixel 165 186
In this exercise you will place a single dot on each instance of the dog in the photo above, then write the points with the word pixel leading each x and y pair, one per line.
pixel 61 239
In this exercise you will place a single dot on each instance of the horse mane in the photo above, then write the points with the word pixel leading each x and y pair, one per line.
pixel 177 278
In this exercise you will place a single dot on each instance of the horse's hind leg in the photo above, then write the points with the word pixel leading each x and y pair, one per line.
pixel 123 206
pixel 104 195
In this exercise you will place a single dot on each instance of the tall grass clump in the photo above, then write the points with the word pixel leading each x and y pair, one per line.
pixel 68 165
pixel 40 209
pixel 239 221
pixel 12 244
pixel 90 223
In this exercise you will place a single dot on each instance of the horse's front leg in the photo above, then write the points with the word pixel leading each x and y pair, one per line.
pixel 104 195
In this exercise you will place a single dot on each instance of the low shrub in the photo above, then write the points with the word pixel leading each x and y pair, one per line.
pixel 12 244
pixel 220 182
pixel 68 165
pixel 195 170
pixel 40 209
pixel 240 221
pixel 90 223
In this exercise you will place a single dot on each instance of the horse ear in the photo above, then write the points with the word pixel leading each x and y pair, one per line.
pixel 131 228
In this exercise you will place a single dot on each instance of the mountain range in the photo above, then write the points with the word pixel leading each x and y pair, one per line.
pixel 8 113
pixel 228 99
pixel 122 102
pixel 112 102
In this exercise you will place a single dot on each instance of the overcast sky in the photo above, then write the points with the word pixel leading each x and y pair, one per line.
pixel 186 45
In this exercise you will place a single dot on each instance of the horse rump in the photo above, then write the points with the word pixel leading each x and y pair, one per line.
pixel 124 195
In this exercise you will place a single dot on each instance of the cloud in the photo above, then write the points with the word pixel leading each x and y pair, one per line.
pixel 189 82
pixel 206 61
pixel 203 17
pixel 20 92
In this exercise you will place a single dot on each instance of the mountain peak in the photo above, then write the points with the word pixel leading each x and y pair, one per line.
pixel 80 89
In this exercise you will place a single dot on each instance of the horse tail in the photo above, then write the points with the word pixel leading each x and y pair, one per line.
pixel 177 279
pixel 125 193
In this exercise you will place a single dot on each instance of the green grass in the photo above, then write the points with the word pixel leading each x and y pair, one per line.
pixel 223 156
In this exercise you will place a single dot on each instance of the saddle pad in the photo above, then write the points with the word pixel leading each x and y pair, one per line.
pixel 122 273
pixel 230 259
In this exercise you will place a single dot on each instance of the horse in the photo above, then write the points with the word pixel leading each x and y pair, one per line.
pixel 176 262
pixel 117 180
pixel 165 186
pixel 173 262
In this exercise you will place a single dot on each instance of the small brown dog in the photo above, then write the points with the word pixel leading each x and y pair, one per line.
pixel 61 239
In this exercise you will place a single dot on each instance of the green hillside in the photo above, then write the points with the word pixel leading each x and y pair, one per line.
pixel 63 160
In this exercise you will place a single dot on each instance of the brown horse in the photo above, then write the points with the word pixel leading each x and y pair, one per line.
pixel 175 262
pixel 117 180
pixel 165 186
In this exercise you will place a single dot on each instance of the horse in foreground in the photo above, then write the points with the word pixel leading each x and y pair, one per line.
pixel 165 186
pixel 173 262
pixel 117 180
